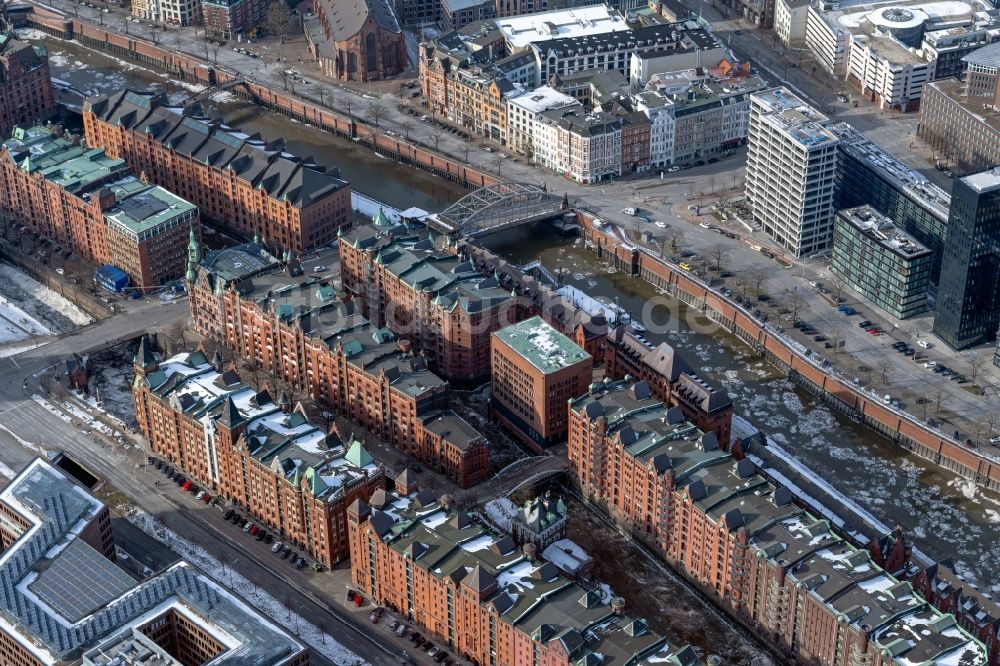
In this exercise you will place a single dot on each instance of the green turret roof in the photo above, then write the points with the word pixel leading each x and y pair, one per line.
pixel 358 455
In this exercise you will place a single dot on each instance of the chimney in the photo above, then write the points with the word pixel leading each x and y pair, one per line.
pixel 618 606
pixel 529 549
pixel 447 501
pixel 106 199
pixel 404 345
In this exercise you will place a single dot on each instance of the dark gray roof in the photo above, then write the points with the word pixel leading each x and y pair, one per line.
pixel 46 498
pixel 988 56
pixel 265 165
pixel 344 18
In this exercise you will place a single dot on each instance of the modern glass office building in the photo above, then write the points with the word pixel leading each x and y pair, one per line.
pixel 880 261
pixel 968 300
pixel 868 174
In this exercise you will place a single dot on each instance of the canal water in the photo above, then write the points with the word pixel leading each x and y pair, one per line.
pixel 944 515
pixel 396 184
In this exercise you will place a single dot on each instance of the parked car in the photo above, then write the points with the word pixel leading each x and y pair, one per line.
pixel 247 526
pixel 433 651
pixel 277 546
pixel 228 514
pixel 923 344
pixel 400 630
pixel 930 364
pixel 285 552
pixel 864 323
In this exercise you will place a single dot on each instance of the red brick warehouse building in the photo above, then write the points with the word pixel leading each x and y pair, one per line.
pixel 356 40
pixel 746 542
pixel 242 183
pixel 420 287
pixel 288 321
pixel 671 380
pixel 232 18
pixel 536 371
pixel 25 84
pixel 90 204
pixel 262 454
pixel 488 601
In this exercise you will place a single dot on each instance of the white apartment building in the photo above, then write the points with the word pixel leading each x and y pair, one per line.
pixel 886 70
pixel 829 41
pixel 790 20
pixel 524 110
pixel 588 147
pixel 790 171
pixel 174 12
pixel 660 111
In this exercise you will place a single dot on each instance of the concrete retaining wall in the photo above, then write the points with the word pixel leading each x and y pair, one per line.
pixel 904 429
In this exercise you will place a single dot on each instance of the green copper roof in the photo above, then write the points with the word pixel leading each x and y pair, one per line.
pixel 76 168
pixel 358 455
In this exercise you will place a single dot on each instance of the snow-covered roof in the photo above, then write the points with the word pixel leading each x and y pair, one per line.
pixel 57 623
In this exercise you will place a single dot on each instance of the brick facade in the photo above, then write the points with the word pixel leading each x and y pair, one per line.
pixel 488 601
pixel 745 542
pixel 361 371
pixel 536 370
pixel 671 380
pixel 25 84
pixel 83 213
pixel 230 18
pixel 244 185
pixel 361 40
pixel 428 294
pixel 265 457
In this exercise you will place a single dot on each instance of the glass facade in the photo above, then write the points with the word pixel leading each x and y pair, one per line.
pixel 968 303
pixel 879 261
pixel 868 175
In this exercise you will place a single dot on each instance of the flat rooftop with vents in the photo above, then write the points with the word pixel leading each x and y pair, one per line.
pixel 542 346
pixel 64 602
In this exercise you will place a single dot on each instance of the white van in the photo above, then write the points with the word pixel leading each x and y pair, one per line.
pixel 630 211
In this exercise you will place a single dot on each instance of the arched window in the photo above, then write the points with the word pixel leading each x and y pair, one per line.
pixel 371 55
pixel 352 62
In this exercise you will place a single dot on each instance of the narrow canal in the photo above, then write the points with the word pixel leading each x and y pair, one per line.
pixel 943 514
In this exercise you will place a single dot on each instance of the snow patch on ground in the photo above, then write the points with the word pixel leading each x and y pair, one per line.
pixel 317 640
pixel 54 311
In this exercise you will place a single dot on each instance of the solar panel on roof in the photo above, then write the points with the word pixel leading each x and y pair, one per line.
pixel 228 139
pixel 80 581
pixel 196 125
pixel 138 100
pixel 142 206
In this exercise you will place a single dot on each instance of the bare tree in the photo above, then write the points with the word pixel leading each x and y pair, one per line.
pixel 499 159
pixel 348 103
pixel 436 137
pixel 835 341
pixel 377 112
pixel 938 394
pixel 883 368
pixel 215 54
pixel 466 149
pixel 975 367
pixel 711 183
pixel 756 277
pixel 284 78
pixel 717 252
pixel 407 126
pixel 278 20
pixel 676 237
pixel 322 92
pixel 796 304
pixel 837 290
pixel 992 421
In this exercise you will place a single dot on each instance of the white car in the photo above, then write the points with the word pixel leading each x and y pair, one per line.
pixel 276 547
pixel 705 225
pixel 923 344
pixel 930 364
pixel 662 225
pixel 673 169
pixel 886 399
pixel 319 269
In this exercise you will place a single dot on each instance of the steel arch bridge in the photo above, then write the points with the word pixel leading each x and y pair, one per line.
pixel 498 207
